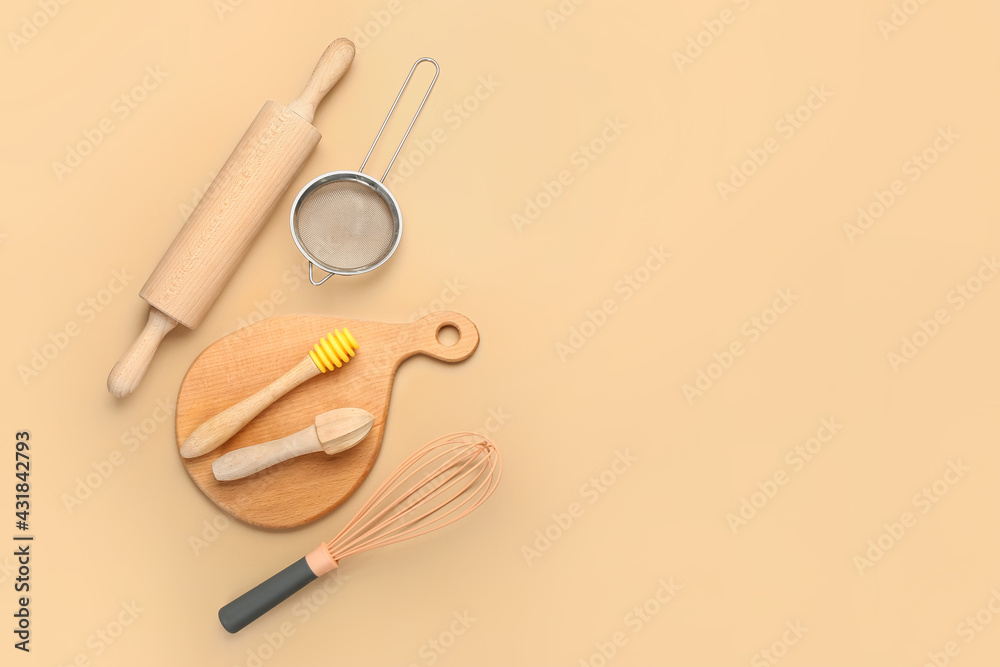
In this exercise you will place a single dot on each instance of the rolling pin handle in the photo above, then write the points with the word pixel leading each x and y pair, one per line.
pixel 128 372
pixel 331 67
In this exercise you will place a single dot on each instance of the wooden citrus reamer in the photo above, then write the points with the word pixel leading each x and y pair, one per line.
pixel 333 432
pixel 230 215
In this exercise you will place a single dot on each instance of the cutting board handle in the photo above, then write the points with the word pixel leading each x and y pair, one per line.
pixel 421 336
pixel 331 66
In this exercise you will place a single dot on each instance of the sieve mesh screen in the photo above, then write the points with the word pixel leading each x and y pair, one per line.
pixel 346 225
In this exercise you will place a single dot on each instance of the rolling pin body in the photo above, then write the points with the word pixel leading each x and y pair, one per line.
pixel 230 215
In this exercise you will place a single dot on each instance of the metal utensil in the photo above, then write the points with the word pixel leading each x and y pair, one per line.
pixel 346 222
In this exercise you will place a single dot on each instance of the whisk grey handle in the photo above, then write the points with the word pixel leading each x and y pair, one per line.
pixel 253 604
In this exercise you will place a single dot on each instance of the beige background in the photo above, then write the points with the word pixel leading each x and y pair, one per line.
pixel 146 536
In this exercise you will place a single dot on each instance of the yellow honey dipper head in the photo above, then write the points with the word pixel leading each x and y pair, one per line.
pixel 334 350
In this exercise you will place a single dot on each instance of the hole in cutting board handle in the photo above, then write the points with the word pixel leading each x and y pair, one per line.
pixel 448 335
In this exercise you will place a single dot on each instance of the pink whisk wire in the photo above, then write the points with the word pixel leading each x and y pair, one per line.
pixel 466 470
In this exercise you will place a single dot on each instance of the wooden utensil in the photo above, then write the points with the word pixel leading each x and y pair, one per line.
pixel 305 488
pixel 334 432
pixel 329 354
pixel 229 217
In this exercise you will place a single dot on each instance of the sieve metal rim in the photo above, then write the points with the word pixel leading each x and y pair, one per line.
pixel 357 177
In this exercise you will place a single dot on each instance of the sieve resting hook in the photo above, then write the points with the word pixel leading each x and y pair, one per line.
pixel 313 280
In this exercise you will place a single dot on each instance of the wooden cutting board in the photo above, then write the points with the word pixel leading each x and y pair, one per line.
pixel 301 490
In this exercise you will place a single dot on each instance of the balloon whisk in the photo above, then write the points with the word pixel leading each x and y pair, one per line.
pixel 438 485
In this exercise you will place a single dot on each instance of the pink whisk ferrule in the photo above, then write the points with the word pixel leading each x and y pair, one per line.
pixel 320 561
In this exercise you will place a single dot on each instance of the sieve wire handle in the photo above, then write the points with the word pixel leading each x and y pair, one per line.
pixel 437 71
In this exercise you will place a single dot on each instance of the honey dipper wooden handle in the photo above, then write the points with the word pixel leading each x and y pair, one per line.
pixel 128 372
pixel 227 423
pixel 331 66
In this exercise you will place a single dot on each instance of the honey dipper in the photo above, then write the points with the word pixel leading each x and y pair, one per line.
pixel 330 353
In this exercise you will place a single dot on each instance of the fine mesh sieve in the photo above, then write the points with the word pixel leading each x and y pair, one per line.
pixel 346 222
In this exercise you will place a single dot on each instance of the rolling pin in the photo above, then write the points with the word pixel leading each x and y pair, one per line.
pixel 229 217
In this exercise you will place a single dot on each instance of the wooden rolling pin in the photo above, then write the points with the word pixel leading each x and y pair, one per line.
pixel 229 217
